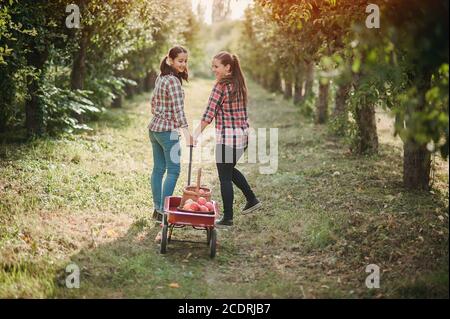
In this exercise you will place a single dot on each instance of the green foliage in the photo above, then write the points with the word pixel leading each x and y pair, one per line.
pixel 105 89
pixel 119 44
pixel 428 122
pixel 62 108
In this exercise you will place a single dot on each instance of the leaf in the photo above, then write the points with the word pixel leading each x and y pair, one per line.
pixel 174 285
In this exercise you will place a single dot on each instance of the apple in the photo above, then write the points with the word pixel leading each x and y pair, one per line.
pixel 201 200
pixel 202 191
pixel 210 206
pixel 195 207
pixel 189 201
pixel 204 208
pixel 187 206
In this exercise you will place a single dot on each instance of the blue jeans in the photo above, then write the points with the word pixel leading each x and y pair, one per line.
pixel 166 157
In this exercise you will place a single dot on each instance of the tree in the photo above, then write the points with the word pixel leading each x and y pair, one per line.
pixel 53 76
pixel 221 10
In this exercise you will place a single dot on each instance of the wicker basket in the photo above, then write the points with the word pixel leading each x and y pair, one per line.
pixel 192 191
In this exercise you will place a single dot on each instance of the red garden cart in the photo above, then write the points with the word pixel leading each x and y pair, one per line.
pixel 175 217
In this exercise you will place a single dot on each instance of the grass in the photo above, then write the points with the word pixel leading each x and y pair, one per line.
pixel 327 214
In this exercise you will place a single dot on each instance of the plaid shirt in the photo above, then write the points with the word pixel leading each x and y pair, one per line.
pixel 230 114
pixel 167 105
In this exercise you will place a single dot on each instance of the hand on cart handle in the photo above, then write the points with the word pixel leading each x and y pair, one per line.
pixel 190 141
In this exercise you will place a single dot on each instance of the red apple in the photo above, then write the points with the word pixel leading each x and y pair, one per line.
pixel 195 207
pixel 210 206
pixel 201 200
pixel 204 208
pixel 187 206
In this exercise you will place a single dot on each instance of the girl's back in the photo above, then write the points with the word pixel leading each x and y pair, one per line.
pixel 167 104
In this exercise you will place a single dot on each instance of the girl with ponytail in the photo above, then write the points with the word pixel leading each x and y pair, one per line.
pixel 168 119
pixel 228 106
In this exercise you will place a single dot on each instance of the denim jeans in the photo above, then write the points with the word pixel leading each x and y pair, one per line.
pixel 166 158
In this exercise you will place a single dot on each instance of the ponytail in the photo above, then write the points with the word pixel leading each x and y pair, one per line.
pixel 237 76
pixel 166 69
pixel 239 79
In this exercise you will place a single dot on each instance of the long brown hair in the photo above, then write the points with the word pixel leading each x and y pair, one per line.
pixel 167 69
pixel 237 77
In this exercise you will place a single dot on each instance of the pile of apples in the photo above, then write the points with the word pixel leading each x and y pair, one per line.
pixel 201 205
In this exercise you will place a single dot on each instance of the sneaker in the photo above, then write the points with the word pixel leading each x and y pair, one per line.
pixel 157 216
pixel 224 223
pixel 251 206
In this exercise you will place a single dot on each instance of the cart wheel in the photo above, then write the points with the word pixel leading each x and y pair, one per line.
pixel 169 238
pixel 212 243
pixel 208 236
pixel 163 247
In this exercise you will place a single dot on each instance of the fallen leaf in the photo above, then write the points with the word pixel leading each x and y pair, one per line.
pixel 174 285
pixel 111 233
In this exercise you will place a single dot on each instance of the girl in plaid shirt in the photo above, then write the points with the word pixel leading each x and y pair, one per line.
pixel 168 117
pixel 227 105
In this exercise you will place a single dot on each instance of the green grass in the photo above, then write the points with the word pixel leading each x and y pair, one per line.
pixel 327 214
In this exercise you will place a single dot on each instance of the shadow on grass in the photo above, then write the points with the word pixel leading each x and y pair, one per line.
pixel 112 118
pixel 132 267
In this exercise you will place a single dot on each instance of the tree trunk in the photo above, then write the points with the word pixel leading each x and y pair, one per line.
pixel 275 83
pixel 367 127
pixel 322 103
pixel 340 113
pixel 3 117
pixel 34 108
pixel 78 73
pixel 309 79
pixel 117 101
pixel 6 96
pixel 139 86
pixel 298 88
pixel 416 166
pixel 261 80
pixel 130 91
pixel 266 82
pixel 287 89
pixel 150 81
pixel 416 157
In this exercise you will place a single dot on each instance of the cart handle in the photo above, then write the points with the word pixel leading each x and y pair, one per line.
pixel 190 164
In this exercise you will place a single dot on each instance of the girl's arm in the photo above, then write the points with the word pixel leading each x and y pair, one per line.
pixel 214 102
pixel 187 136
pixel 200 129
pixel 177 96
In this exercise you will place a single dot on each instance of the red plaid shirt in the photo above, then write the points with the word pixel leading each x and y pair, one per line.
pixel 167 105
pixel 230 114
